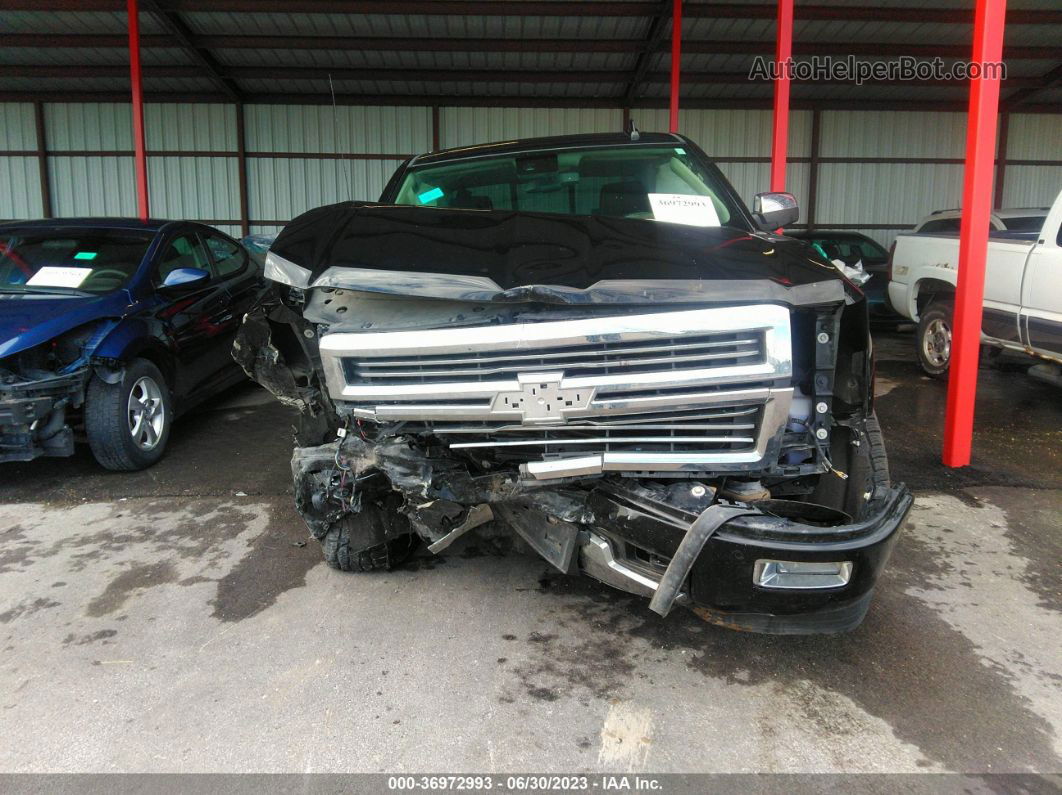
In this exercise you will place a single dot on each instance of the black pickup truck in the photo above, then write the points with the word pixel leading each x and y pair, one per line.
pixel 591 340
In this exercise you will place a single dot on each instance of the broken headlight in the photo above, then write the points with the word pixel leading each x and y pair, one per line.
pixel 49 358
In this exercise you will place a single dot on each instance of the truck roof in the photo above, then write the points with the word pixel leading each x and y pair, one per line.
pixel 1005 212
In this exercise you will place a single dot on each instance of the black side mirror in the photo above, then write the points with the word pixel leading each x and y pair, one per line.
pixel 185 278
pixel 775 210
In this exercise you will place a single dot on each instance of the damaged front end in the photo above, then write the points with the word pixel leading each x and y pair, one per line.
pixel 678 442
pixel 40 388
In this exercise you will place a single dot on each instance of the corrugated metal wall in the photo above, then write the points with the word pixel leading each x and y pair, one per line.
pixel 197 187
pixel 279 188
pixel 1033 137
pixel 19 174
pixel 91 165
pixel 888 193
pixel 300 157
pixel 86 175
pixel 464 126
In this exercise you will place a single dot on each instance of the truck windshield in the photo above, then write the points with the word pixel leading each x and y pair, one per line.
pixel 655 183
pixel 69 261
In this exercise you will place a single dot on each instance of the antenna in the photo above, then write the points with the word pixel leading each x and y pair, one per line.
pixel 335 134
pixel 631 130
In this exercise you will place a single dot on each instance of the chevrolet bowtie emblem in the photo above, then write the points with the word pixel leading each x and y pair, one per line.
pixel 541 400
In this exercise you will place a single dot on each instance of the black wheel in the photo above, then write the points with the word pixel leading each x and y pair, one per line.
pixel 860 455
pixel 376 538
pixel 934 337
pixel 128 423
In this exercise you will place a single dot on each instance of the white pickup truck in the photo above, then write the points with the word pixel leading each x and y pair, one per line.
pixel 1023 290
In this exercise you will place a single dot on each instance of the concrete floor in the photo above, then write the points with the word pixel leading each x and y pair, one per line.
pixel 176 620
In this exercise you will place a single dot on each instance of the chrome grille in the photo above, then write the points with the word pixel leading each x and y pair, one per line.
pixel 731 428
pixel 663 391
pixel 602 358
pixel 691 419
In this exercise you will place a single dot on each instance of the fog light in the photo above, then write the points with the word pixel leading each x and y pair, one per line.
pixel 801 574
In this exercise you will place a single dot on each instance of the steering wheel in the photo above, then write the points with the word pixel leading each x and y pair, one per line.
pixel 113 273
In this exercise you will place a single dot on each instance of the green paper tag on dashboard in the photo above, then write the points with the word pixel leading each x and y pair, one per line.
pixel 430 195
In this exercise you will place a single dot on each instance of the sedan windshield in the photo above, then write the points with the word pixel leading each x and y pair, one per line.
pixel 69 261
pixel 661 183
pixel 850 248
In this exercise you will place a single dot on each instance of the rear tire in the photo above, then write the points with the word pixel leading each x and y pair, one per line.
pixel 934 337
pixel 128 423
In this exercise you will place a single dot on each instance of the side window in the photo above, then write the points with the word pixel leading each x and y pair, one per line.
pixel 184 251
pixel 945 226
pixel 229 257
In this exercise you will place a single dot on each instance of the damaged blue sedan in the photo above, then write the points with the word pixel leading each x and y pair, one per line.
pixel 109 328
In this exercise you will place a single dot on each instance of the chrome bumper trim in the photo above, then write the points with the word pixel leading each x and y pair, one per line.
pixel 597 559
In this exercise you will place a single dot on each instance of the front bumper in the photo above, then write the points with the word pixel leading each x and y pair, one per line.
pixel 898 296
pixel 721 586
pixel 33 416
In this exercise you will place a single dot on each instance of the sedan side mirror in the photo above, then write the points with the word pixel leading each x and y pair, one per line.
pixel 185 278
pixel 775 210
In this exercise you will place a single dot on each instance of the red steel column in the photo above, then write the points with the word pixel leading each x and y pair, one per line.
pixel 783 51
pixel 138 110
pixel 676 63
pixel 973 234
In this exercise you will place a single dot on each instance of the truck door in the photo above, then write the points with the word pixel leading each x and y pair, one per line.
pixel 1041 311
pixel 1004 271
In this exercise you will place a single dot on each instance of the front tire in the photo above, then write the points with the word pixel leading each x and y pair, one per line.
pixel 128 423
pixel 934 337
pixel 860 455
pixel 378 537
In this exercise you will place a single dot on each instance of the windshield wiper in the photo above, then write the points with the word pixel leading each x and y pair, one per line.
pixel 24 289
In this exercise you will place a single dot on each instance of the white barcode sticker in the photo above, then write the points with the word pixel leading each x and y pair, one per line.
pixel 680 208
pixel 54 276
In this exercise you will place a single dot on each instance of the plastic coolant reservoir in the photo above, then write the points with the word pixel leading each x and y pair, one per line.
pixel 800 408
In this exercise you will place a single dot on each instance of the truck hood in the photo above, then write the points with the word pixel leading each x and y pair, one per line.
pixel 29 319
pixel 500 255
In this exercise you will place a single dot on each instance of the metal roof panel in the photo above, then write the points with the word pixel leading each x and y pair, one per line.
pixel 456 26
